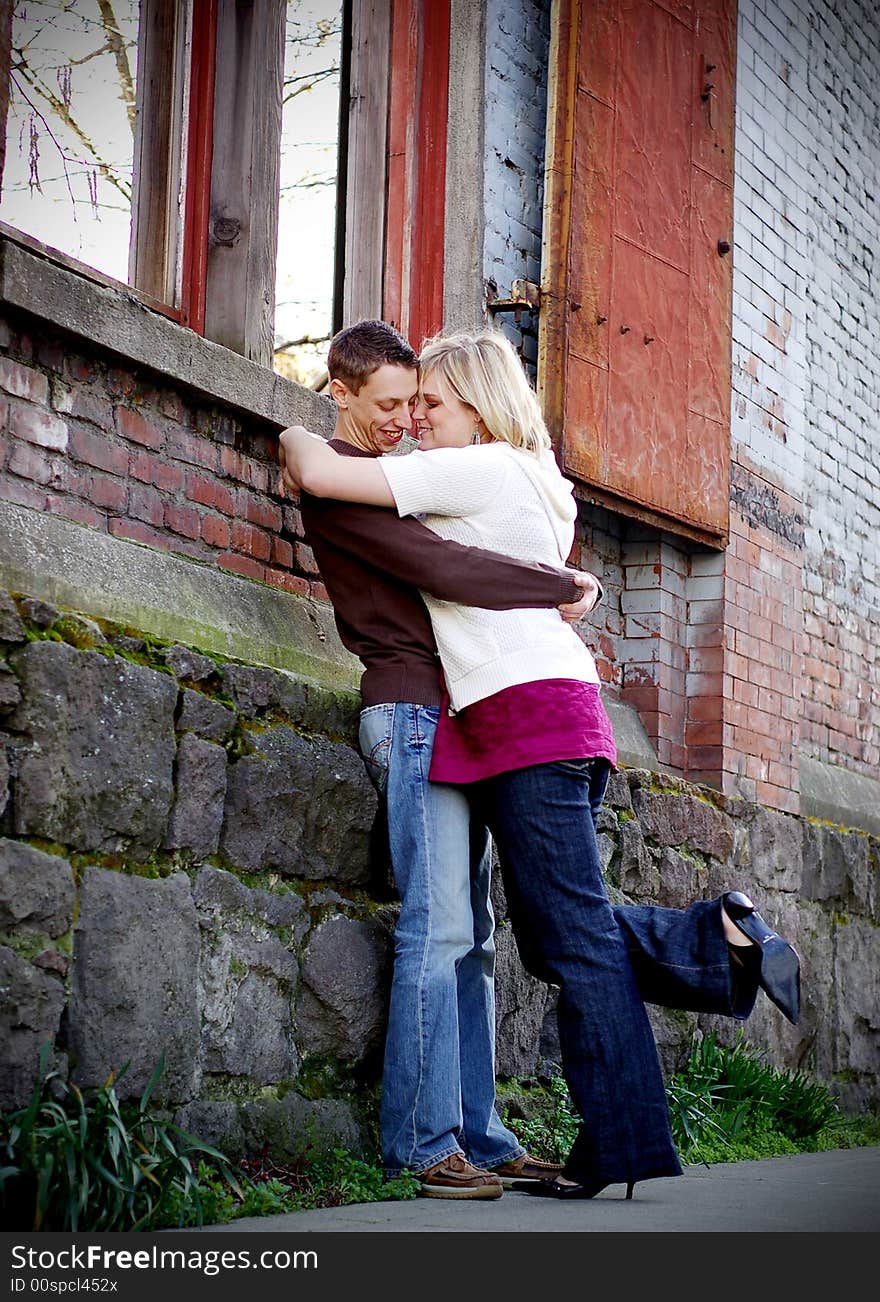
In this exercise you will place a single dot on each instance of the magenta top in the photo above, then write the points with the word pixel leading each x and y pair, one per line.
pixel 532 723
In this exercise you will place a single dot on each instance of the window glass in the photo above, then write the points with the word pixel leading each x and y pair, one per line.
pixel 309 165
pixel 67 179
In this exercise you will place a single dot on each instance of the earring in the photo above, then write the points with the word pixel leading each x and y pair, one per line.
pixel 475 437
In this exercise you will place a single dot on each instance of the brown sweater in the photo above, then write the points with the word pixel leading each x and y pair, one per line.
pixel 373 563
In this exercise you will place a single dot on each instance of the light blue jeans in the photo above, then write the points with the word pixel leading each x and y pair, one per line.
pixel 438 1090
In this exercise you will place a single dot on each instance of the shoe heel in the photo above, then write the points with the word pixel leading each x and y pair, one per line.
pixel 631 1184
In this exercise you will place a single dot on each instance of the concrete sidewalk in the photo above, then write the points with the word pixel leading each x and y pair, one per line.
pixel 809 1193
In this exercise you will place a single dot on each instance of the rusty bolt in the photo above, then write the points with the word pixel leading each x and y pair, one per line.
pixel 575 305
pixel 649 339
pixel 600 320
pixel 624 330
pixel 723 247
pixel 226 230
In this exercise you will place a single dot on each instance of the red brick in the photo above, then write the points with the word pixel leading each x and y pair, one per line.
pixel 139 533
pixel 208 492
pixel 50 354
pixel 242 565
pixel 709 660
pixel 319 592
pixel 33 463
pixel 151 470
pixel 107 492
pixel 707 759
pixel 289 582
pixel 172 407
pixel 167 478
pixel 38 426
pixel 305 559
pixel 258 511
pixel 146 504
pixel 292 521
pixel 120 383
pixel 187 447
pixel 81 512
pixel 245 538
pixel 91 407
pixel 215 530
pixel 99 452
pixel 23 382
pixel 707 733
pixel 182 519
pixel 137 429
pixel 704 708
pixel 282 552
pixel 80 368
pixel 21 493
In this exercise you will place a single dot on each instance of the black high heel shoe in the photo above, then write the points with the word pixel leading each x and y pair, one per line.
pixel 779 968
pixel 552 1189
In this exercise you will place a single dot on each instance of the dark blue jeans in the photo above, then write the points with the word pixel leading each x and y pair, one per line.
pixel 606 962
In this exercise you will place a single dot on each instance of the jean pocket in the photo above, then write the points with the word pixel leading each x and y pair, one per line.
pixel 374 739
pixel 583 768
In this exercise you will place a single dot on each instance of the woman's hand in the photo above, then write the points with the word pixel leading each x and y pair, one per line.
pixel 592 594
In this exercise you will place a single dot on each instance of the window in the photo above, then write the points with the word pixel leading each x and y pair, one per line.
pixel 304 283
pixel 70 128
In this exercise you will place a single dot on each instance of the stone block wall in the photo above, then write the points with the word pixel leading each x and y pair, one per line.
pixel 185 870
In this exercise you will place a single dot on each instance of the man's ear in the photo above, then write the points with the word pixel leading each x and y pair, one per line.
pixel 339 393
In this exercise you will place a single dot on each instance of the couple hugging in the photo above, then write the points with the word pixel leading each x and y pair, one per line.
pixel 482 715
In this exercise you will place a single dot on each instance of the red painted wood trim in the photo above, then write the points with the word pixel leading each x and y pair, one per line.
pixel 198 164
pixel 415 223
pixel 429 224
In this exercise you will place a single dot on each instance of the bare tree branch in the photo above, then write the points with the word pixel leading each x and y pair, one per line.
pixel 63 111
pixel 310 79
pixel 51 134
pixel 117 45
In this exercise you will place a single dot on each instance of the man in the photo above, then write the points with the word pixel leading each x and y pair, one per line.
pixel 438 1114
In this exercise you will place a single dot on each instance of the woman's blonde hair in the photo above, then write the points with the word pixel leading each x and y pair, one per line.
pixel 484 372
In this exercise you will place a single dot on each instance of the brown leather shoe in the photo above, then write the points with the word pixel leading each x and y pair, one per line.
pixel 456 1178
pixel 526 1168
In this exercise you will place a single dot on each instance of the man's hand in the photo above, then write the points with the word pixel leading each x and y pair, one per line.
pixel 592 591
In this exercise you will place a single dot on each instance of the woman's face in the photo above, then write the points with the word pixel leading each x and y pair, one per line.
pixel 443 421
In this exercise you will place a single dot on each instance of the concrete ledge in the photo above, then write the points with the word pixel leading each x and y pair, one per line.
pixel 120 323
pixel 169 596
pixel 634 747
pixel 839 795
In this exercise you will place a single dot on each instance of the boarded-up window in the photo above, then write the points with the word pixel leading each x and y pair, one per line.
pixel 635 357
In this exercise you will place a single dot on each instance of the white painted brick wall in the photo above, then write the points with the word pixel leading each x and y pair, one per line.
pixel 517 49
pixel 807 233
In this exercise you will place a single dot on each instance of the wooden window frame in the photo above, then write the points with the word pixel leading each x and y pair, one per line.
pixel 205 195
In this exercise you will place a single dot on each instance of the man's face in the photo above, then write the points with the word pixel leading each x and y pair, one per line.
pixel 378 415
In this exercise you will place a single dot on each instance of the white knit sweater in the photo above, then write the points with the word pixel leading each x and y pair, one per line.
pixel 497 497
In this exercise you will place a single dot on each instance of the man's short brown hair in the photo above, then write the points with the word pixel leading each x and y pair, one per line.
pixel 359 350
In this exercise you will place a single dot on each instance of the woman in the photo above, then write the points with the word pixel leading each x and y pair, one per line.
pixel 526 730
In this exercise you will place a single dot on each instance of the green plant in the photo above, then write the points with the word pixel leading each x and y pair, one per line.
pixel 78 1159
pixel 729 1101
pixel 552 1128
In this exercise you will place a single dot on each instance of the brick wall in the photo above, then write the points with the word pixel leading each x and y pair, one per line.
pixel 107 446
pixel 801 579
pixel 837 103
